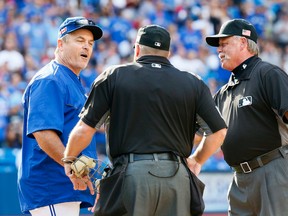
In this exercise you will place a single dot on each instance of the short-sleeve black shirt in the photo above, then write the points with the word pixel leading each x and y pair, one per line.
pixel 151 107
pixel 253 104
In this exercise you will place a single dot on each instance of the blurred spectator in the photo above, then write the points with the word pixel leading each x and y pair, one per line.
pixel 10 12
pixel 259 18
pixel 16 89
pixel 3 11
pixel 190 36
pixel 14 134
pixel 280 30
pixel 113 56
pixel 119 28
pixel 270 52
pixel 89 74
pixel 161 15
pixel 37 37
pixel 146 9
pixel 31 67
pixel 15 118
pixel 179 58
pixel 51 26
pixel 217 13
pixel 4 110
pixel 285 59
pixel 2 33
pixel 10 56
pixel 213 85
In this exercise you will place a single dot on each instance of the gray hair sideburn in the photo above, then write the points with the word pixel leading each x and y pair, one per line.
pixel 252 46
pixel 64 39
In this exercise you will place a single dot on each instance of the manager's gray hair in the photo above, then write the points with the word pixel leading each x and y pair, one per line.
pixel 64 39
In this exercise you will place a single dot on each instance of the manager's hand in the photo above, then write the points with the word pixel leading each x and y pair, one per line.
pixel 78 183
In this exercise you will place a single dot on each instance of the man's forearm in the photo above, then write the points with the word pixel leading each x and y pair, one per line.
pixel 51 144
pixel 209 146
pixel 80 137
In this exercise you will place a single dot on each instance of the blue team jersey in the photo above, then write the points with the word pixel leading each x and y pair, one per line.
pixel 52 101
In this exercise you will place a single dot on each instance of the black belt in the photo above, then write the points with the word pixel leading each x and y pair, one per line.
pixel 155 156
pixel 249 166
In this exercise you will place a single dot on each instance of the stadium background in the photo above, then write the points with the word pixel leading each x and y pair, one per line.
pixel 28 36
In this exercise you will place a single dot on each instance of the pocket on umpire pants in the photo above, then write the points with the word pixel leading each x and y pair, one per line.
pixel 197 189
pixel 110 202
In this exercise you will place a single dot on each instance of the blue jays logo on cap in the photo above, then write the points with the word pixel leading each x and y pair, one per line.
pixel 74 23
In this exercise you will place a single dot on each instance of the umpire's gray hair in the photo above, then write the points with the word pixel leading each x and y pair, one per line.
pixel 252 46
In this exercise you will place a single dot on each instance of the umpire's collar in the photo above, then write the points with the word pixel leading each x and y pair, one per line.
pixel 147 59
pixel 243 71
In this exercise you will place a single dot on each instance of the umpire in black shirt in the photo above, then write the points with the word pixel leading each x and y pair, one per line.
pixel 149 109
pixel 254 104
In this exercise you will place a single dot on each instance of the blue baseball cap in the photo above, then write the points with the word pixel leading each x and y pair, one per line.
pixel 72 24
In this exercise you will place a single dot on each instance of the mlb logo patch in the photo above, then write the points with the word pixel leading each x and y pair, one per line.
pixel 245 101
pixel 155 65
pixel 158 44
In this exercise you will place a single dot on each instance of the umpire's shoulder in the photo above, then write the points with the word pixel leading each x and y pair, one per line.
pixel 111 70
pixel 114 68
pixel 191 74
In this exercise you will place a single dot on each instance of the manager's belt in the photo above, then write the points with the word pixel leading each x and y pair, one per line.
pixel 249 166
pixel 155 156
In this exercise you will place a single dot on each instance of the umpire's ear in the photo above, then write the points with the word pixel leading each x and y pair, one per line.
pixel 136 51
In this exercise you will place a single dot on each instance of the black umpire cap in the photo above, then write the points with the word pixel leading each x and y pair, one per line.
pixel 154 36
pixel 232 27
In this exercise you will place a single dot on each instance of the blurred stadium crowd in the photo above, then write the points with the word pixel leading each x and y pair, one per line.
pixel 28 37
